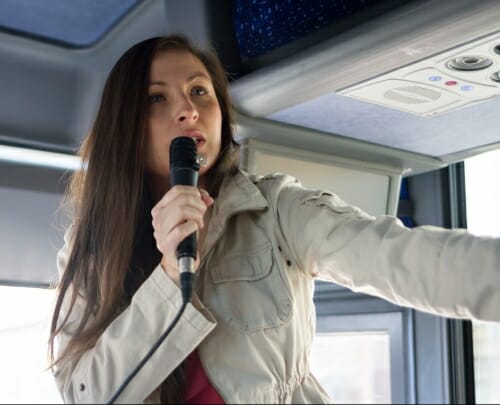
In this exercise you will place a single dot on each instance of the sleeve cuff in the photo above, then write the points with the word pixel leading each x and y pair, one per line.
pixel 159 287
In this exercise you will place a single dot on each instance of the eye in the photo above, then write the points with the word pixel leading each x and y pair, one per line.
pixel 198 91
pixel 156 98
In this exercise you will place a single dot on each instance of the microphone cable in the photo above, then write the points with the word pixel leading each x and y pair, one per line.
pixel 184 168
pixel 149 353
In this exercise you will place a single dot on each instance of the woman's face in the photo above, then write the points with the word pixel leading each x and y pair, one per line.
pixel 182 102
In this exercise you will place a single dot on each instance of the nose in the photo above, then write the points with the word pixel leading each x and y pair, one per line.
pixel 187 111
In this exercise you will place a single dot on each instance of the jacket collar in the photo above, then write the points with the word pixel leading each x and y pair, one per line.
pixel 237 194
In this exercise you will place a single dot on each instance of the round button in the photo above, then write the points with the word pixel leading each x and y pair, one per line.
pixel 467 87
pixel 435 78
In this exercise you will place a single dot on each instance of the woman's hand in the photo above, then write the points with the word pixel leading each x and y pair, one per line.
pixel 178 214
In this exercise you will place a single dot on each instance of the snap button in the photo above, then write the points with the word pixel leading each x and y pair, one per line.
pixel 288 263
pixel 82 387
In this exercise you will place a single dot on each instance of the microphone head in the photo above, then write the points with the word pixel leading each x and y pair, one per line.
pixel 183 153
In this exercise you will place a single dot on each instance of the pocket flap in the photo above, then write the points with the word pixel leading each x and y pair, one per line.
pixel 248 265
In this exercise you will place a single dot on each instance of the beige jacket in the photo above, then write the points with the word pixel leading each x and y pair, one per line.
pixel 267 240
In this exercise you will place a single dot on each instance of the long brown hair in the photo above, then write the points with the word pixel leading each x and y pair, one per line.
pixel 110 197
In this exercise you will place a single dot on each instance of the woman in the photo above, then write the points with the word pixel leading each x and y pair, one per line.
pixel 247 335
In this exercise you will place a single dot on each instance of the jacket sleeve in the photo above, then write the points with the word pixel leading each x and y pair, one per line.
pixel 446 272
pixel 97 374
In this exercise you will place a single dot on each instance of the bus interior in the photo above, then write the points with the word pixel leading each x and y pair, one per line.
pixel 393 105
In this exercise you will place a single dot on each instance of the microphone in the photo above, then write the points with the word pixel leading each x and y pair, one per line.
pixel 184 168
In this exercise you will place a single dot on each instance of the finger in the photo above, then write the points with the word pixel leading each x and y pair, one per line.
pixel 207 199
pixel 188 213
pixel 167 244
pixel 166 221
pixel 180 209
pixel 175 206
pixel 177 192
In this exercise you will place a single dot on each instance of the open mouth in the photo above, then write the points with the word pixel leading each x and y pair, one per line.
pixel 198 140
pixel 196 135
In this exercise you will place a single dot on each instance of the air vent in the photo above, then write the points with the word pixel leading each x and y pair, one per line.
pixel 448 81
pixel 412 94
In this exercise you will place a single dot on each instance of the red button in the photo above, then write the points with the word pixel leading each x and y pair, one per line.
pixel 451 83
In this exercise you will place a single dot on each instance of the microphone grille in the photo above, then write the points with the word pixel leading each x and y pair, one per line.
pixel 183 153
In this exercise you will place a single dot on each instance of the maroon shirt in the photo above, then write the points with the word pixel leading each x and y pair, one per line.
pixel 199 390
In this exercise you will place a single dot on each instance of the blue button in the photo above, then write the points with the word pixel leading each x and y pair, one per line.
pixel 435 78
pixel 467 87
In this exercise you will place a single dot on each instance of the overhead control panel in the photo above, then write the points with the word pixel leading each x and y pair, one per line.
pixel 448 81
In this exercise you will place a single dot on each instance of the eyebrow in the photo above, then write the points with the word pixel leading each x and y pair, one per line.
pixel 189 79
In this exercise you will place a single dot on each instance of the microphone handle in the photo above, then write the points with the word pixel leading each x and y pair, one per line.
pixel 186 176
pixel 187 247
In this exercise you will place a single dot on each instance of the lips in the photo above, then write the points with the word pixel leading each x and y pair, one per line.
pixel 198 141
pixel 197 136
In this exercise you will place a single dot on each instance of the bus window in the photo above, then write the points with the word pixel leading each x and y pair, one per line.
pixel 483 218
pixel 24 331
pixel 354 357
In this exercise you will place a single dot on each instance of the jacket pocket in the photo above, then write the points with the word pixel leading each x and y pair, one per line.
pixel 250 293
